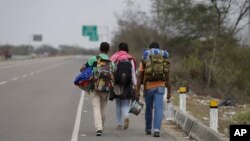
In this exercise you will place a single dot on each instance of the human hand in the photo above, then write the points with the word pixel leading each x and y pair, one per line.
pixel 168 100
pixel 137 95
pixel 82 68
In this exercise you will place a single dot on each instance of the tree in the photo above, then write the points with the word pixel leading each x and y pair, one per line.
pixel 224 9
pixel 46 49
pixel 134 29
pixel 216 22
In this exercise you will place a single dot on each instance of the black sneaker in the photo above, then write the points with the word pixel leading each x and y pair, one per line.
pixel 156 134
pixel 98 133
pixel 148 132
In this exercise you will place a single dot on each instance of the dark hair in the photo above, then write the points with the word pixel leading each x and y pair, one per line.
pixel 154 45
pixel 123 47
pixel 104 47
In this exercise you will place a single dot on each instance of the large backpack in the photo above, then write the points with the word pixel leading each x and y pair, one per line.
pixel 156 66
pixel 84 79
pixel 123 72
pixel 103 75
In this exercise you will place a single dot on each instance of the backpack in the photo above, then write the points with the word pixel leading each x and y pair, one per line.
pixel 84 79
pixel 156 66
pixel 123 72
pixel 103 75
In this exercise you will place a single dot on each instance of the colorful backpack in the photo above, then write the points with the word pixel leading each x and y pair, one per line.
pixel 156 65
pixel 84 79
pixel 103 75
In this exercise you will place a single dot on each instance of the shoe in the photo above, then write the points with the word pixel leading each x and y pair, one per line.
pixel 119 127
pixel 98 133
pixel 148 132
pixel 156 134
pixel 126 123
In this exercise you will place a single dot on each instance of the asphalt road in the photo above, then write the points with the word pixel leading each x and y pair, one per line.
pixel 38 102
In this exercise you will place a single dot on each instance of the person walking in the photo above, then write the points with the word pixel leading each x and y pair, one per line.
pixel 99 94
pixel 124 84
pixel 154 74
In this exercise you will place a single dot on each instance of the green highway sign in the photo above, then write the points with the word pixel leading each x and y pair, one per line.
pixel 90 31
pixel 93 38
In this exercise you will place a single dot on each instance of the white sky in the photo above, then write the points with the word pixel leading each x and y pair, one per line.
pixel 59 21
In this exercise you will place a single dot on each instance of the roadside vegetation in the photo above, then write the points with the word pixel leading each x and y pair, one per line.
pixel 208 53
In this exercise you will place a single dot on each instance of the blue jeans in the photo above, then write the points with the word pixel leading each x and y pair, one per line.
pixel 122 108
pixel 154 100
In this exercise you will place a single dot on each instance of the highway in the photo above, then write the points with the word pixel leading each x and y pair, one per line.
pixel 38 102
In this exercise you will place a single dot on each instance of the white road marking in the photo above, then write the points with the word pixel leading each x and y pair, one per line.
pixel 75 133
pixel 15 78
pixel 3 82
pixel 83 135
pixel 25 75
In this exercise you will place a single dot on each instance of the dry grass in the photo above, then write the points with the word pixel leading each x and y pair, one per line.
pixel 198 106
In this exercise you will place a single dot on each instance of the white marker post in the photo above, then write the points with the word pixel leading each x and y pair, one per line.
pixel 182 97
pixel 214 115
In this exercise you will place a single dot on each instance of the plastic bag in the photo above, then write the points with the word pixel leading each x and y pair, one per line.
pixel 169 111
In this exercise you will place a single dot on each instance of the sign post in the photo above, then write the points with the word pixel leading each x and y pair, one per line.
pixel 183 91
pixel 214 115
pixel 37 37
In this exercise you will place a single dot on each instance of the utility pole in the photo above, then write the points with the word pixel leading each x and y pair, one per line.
pixel 158 18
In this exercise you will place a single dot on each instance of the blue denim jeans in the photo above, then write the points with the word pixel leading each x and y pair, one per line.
pixel 154 100
pixel 122 108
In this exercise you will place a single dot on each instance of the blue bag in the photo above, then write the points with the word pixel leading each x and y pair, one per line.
pixel 148 52
pixel 84 79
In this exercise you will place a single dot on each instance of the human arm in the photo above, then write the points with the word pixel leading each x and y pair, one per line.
pixel 90 63
pixel 133 70
pixel 140 79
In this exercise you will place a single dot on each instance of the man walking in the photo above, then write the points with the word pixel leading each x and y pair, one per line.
pixel 154 75
pixel 125 82
pixel 100 93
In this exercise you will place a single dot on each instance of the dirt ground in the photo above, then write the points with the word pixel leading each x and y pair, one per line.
pixel 198 106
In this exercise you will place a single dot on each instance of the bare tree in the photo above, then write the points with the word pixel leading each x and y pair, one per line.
pixel 223 10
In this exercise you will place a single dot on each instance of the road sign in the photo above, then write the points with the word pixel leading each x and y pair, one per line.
pixel 90 31
pixel 93 38
pixel 37 37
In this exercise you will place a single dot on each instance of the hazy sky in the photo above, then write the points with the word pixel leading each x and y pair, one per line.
pixel 59 21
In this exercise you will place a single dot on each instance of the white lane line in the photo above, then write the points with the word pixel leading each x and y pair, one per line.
pixel 3 82
pixel 14 79
pixel 25 75
pixel 75 133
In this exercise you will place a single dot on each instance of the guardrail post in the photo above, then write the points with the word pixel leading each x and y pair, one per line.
pixel 214 115
pixel 182 97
